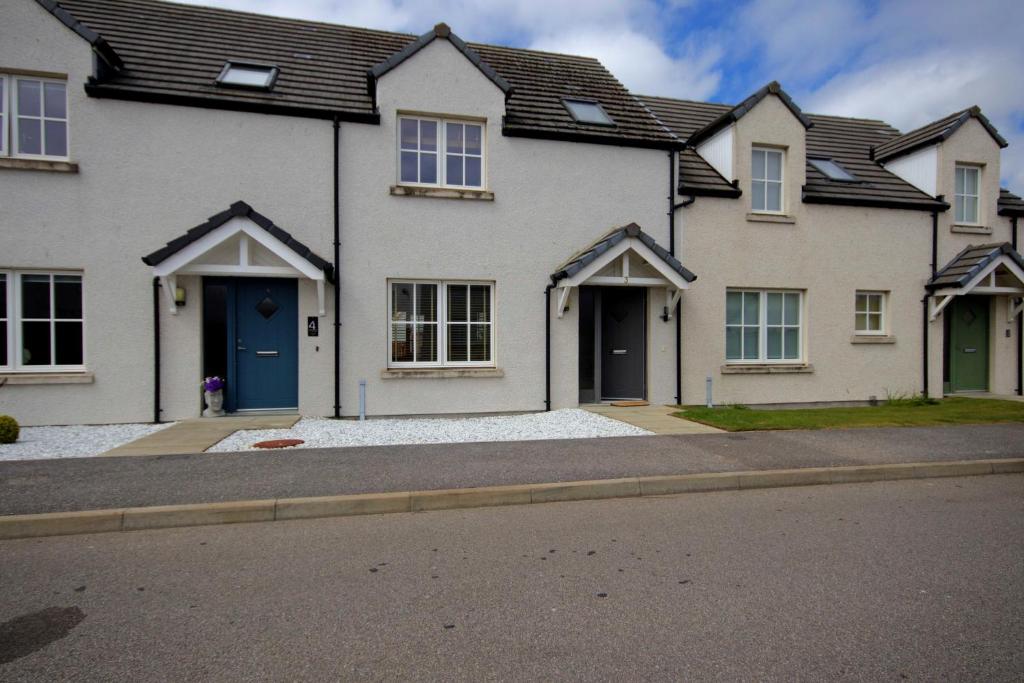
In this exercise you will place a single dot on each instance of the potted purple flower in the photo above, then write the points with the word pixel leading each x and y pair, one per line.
pixel 213 387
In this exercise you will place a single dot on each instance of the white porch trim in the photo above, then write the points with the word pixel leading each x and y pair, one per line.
pixel 940 298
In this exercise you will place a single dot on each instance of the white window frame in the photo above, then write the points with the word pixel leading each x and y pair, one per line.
pixel 14 116
pixel 959 196
pixel 15 319
pixel 881 313
pixel 762 325
pixel 5 115
pixel 442 152
pixel 442 325
pixel 781 182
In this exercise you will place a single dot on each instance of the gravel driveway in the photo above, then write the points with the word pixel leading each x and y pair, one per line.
pixel 75 441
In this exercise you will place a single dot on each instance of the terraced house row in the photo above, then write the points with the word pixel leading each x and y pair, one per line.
pixel 303 207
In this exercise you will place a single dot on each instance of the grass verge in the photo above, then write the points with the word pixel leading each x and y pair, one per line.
pixel 898 413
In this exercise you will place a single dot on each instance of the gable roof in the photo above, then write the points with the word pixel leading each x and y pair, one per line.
pixel 172 54
pixel 933 133
pixel 593 251
pixel 740 110
pixel 100 45
pixel 243 210
pixel 1010 204
pixel 971 261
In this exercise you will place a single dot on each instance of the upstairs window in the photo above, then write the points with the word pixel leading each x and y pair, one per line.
pixel 33 117
pixel 833 170
pixel 588 112
pixel 766 180
pixel 255 76
pixel 966 184
pixel 440 153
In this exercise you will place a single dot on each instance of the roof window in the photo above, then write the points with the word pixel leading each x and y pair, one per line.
pixel 241 75
pixel 833 171
pixel 588 112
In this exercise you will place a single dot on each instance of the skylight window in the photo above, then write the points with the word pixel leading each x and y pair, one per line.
pixel 256 76
pixel 588 112
pixel 833 171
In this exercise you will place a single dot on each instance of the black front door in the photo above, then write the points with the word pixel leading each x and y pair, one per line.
pixel 623 342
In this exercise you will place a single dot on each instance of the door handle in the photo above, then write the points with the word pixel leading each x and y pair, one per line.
pixel 266 354
pixel 619 352
pixel 970 350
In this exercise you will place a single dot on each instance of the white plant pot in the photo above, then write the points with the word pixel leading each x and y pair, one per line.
pixel 214 404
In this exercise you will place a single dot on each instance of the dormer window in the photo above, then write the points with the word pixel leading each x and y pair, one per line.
pixel 766 180
pixel 833 170
pixel 967 181
pixel 583 111
pixel 441 152
pixel 252 76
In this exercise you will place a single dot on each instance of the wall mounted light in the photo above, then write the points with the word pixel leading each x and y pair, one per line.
pixel 179 296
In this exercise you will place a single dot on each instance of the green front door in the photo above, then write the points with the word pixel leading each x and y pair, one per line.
pixel 968 341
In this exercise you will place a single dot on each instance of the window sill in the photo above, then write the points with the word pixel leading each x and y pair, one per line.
pixel 872 339
pixel 12 378
pixel 971 229
pixel 38 165
pixel 439 373
pixel 441 192
pixel 770 218
pixel 767 369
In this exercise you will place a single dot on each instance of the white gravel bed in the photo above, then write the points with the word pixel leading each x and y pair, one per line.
pixel 325 433
pixel 75 441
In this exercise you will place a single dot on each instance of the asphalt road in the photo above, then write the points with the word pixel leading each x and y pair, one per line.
pixel 914 580
pixel 95 483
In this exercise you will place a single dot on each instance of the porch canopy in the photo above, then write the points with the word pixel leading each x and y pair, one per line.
pixel 238 242
pixel 624 257
pixel 994 269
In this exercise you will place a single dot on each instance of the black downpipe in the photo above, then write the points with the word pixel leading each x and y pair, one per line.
pixel 547 347
pixel 1020 328
pixel 672 207
pixel 156 350
pixel 337 277
pixel 924 301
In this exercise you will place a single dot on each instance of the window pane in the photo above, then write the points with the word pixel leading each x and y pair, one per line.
pixel 862 302
pixel 732 343
pixel 474 139
pixel 757 165
pixel 28 98
pixel 426 303
pixel 971 181
pixel 407 133
pixel 874 322
pixel 428 168
pixel 792 343
pixel 751 308
pixel 56 138
pixel 426 343
pixel 428 136
pixel 751 341
pixel 959 180
pixel 959 218
pixel 480 343
pixel 67 296
pixel 29 140
pixel 875 303
pixel 401 343
pixel 453 135
pixel 409 167
pixel 474 176
pixel 773 200
pixel 458 303
pixel 861 322
pixel 35 343
pixel 757 196
pixel 774 165
pixel 35 296
pixel 792 315
pixel 54 101
pixel 3 342
pixel 401 301
pixel 773 337
pixel 480 303
pixel 733 308
pixel 774 311
pixel 458 344
pixel 69 343
pixel 453 174
pixel 971 209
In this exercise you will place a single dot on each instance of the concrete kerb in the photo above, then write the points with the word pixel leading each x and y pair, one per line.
pixel 234 512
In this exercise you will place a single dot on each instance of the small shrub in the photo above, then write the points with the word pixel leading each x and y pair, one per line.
pixel 909 399
pixel 8 429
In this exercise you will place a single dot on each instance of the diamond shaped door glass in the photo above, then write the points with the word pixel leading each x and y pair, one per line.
pixel 267 307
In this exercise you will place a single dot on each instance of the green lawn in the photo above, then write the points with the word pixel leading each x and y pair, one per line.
pixel 911 413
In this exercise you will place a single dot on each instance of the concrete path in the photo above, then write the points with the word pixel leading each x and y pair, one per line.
pixel 890 581
pixel 653 418
pixel 33 486
pixel 198 434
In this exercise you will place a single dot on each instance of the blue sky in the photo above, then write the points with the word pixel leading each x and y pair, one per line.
pixel 905 61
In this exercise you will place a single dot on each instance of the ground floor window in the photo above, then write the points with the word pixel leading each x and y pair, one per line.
pixel 869 313
pixel 441 323
pixel 763 326
pixel 41 321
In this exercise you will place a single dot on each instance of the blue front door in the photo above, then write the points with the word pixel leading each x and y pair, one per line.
pixel 266 344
